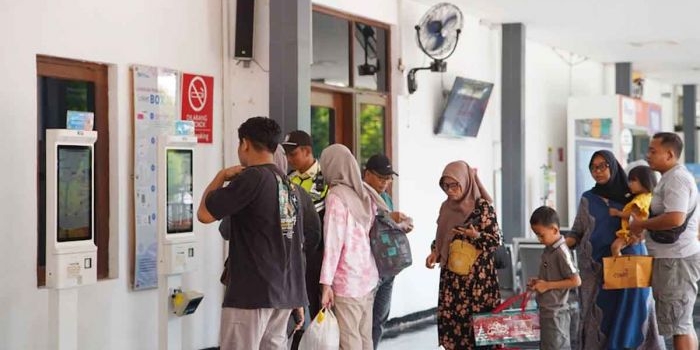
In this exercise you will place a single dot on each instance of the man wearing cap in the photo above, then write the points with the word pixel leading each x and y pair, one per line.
pixel 378 174
pixel 307 174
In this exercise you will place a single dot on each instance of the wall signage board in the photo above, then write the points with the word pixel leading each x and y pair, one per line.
pixel 198 104
pixel 156 107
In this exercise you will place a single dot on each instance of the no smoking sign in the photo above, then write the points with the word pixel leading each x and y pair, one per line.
pixel 197 104
pixel 197 94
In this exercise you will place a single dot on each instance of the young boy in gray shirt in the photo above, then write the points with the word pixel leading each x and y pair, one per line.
pixel 557 276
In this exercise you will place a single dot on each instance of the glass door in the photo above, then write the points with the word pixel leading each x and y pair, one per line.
pixel 328 124
pixel 373 126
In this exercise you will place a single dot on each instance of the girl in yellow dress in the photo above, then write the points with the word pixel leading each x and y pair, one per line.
pixel 642 181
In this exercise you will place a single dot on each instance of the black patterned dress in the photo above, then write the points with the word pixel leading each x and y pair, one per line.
pixel 462 296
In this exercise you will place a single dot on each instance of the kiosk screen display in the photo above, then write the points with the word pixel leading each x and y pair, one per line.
pixel 74 193
pixel 179 190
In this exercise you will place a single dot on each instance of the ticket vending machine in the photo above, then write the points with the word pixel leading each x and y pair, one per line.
pixel 71 254
pixel 177 249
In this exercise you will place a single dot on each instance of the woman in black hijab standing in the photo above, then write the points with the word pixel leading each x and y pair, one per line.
pixel 610 319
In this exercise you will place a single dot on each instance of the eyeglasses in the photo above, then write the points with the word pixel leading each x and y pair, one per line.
pixel 448 186
pixel 383 178
pixel 599 168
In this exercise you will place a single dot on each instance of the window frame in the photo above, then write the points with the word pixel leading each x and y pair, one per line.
pixel 360 95
pixel 96 73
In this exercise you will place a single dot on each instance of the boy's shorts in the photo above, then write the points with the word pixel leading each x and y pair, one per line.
pixel 554 331
pixel 675 287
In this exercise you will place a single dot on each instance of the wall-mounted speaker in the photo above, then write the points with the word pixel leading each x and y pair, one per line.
pixel 245 15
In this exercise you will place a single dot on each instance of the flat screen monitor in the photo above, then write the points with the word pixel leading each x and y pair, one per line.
pixel 179 190
pixel 74 193
pixel 465 108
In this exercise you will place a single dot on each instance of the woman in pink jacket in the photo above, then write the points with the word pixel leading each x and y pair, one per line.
pixel 348 273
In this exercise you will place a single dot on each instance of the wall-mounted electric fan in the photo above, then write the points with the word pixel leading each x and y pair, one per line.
pixel 437 36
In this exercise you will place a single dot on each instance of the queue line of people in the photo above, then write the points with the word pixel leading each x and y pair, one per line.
pixel 336 269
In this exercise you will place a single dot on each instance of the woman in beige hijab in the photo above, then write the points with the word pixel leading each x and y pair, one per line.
pixel 466 237
pixel 348 273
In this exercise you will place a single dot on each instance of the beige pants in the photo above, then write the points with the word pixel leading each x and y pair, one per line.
pixel 355 322
pixel 264 329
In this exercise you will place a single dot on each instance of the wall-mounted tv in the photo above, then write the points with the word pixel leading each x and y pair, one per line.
pixel 465 108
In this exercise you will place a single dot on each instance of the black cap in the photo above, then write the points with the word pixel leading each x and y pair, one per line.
pixel 380 164
pixel 295 139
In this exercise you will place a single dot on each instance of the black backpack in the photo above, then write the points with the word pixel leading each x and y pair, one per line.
pixel 390 246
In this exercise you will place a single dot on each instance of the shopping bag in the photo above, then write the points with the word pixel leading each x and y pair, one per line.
pixel 322 334
pixel 390 246
pixel 502 326
pixel 627 271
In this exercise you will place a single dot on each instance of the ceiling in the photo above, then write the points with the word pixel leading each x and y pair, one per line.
pixel 660 38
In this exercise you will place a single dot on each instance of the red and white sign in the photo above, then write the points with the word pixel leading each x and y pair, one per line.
pixel 198 104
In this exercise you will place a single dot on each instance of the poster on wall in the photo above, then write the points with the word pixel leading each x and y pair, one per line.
pixel 197 104
pixel 156 107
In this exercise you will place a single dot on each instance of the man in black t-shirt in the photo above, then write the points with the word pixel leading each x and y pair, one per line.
pixel 266 264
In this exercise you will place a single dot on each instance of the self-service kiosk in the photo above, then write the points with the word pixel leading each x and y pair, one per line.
pixel 177 249
pixel 71 254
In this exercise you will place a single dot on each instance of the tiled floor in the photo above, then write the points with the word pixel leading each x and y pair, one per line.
pixel 421 339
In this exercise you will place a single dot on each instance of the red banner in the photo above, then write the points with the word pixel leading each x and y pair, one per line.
pixel 198 104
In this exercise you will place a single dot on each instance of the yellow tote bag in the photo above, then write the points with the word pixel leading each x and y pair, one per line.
pixel 627 271
pixel 462 256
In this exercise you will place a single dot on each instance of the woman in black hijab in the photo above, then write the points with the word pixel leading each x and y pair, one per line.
pixel 616 187
pixel 609 319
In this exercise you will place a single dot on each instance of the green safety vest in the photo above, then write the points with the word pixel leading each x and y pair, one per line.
pixel 314 186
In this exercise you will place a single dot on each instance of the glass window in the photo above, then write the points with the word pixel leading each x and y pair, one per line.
pixel 56 97
pixel 371 131
pixel 370 71
pixel 322 128
pixel 331 52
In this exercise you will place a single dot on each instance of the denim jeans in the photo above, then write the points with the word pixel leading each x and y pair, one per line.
pixel 380 311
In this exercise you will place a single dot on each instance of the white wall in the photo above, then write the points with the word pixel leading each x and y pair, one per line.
pixel 385 11
pixel 246 90
pixel 183 35
pixel 421 156
pixel 550 81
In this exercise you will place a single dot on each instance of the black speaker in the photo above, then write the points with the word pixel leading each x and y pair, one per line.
pixel 245 15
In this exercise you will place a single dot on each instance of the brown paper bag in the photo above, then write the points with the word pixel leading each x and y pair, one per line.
pixel 627 271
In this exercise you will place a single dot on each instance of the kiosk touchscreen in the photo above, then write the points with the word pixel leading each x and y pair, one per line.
pixel 71 254
pixel 176 205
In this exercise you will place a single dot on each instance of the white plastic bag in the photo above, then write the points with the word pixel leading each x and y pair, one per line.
pixel 322 334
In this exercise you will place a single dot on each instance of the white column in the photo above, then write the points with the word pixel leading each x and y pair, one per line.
pixel 63 319
pixel 169 325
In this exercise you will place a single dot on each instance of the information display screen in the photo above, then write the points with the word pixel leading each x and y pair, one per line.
pixel 179 190
pixel 74 193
